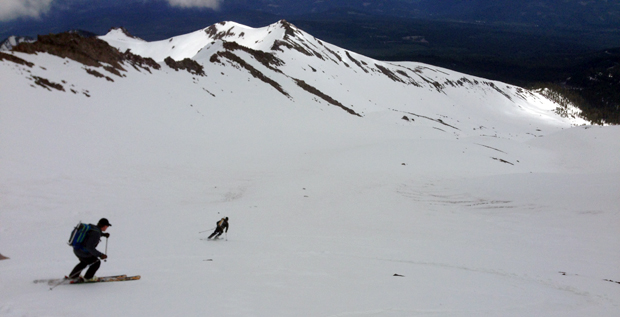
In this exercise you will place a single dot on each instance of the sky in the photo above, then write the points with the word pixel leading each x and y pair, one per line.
pixel 15 9
pixel 548 13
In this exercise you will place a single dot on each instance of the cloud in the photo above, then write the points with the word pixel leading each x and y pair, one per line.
pixel 212 4
pixel 13 9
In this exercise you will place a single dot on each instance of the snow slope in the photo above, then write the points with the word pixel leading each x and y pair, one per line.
pixel 482 205
pixel 286 54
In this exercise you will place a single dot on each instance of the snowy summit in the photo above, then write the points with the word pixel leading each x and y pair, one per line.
pixel 353 187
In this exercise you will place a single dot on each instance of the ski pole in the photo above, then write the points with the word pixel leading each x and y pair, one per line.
pixel 62 281
pixel 106 248
pixel 207 230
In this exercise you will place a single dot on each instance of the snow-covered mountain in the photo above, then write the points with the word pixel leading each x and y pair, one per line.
pixel 12 41
pixel 354 186
pixel 300 66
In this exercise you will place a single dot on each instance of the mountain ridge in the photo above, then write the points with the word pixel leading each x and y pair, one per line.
pixel 271 41
pixel 298 65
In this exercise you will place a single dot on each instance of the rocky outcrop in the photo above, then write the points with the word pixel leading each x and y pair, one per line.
pixel 187 64
pixel 14 59
pixel 89 51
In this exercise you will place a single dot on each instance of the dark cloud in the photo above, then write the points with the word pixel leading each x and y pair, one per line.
pixel 213 4
pixel 13 9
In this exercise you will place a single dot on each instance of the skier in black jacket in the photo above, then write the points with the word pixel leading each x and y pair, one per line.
pixel 88 254
pixel 219 229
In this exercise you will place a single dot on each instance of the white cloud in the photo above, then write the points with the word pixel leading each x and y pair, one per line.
pixel 213 4
pixel 13 9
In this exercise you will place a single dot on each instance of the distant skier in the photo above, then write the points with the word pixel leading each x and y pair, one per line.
pixel 87 252
pixel 219 229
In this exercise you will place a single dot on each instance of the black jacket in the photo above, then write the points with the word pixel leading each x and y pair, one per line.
pixel 88 247
pixel 222 224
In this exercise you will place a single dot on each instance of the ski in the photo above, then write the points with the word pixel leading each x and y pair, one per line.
pixel 108 279
pixel 52 281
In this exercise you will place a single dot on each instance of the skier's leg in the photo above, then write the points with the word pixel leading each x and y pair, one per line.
pixel 94 266
pixel 78 269
pixel 219 232
pixel 216 233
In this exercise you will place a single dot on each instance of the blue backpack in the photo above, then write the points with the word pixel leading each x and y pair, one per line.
pixel 78 234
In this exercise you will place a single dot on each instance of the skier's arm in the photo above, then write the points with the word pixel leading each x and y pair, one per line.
pixel 91 244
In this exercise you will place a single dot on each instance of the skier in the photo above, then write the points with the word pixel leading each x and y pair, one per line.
pixel 88 254
pixel 221 225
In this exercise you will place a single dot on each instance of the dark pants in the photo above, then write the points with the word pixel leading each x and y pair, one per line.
pixel 91 261
pixel 218 232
